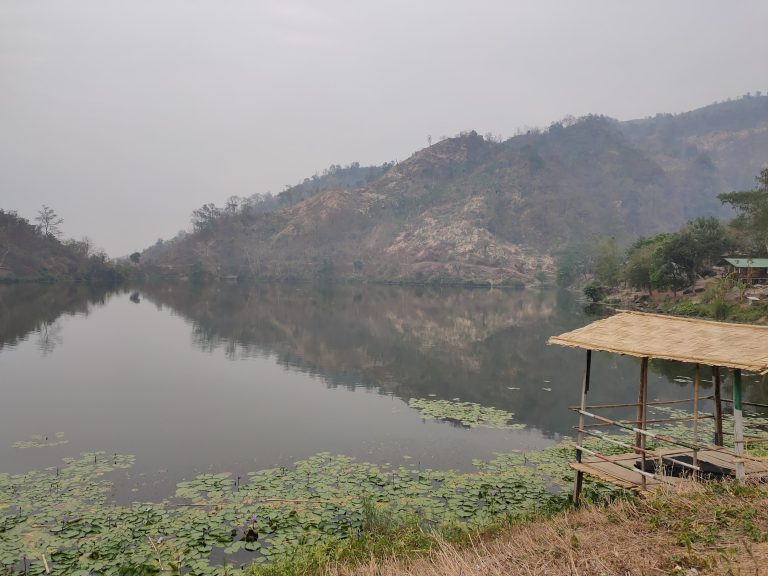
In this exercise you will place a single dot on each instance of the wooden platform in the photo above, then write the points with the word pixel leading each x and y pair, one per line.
pixel 614 471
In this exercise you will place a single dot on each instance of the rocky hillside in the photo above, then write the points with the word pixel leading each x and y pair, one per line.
pixel 470 210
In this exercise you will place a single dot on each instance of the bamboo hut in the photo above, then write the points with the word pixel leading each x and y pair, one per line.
pixel 718 345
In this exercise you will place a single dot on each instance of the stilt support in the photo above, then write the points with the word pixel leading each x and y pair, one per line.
pixel 738 425
pixel 642 415
pixel 718 406
pixel 584 390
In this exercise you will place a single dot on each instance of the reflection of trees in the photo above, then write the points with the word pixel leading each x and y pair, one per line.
pixel 413 342
pixel 676 372
pixel 35 308
pixel 48 337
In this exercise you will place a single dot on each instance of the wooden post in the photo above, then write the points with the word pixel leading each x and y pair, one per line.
pixel 696 384
pixel 584 390
pixel 738 425
pixel 718 406
pixel 642 412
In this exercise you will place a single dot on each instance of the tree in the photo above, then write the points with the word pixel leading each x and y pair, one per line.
pixel 673 261
pixel 135 257
pixel 594 292
pixel 752 211
pixel 204 216
pixel 48 222
pixel 709 239
pixel 665 261
pixel 573 262
pixel 608 262
pixel 640 265
pixel 232 205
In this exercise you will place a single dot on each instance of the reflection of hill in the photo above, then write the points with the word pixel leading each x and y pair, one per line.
pixel 470 344
pixel 33 307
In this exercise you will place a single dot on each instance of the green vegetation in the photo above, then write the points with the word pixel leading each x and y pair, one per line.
pixel 674 260
pixel 324 503
pixel 713 530
pixel 38 441
pixel 292 520
pixel 752 209
pixel 667 261
pixel 594 292
pixel 467 414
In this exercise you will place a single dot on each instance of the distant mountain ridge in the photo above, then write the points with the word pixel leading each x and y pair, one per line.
pixel 471 210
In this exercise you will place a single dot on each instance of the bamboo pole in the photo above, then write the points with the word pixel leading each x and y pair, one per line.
pixel 643 432
pixel 696 384
pixel 584 390
pixel 718 406
pixel 738 425
pixel 668 440
pixel 651 403
pixel 729 401
pixel 651 421
pixel 641 413
pixel 639 417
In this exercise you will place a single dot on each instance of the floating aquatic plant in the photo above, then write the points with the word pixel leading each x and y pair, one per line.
pixel 467 414
pixel 38 441
pixel 62 516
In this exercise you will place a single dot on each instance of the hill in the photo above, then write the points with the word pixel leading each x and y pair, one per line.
pixel 27 254
pixel 472 210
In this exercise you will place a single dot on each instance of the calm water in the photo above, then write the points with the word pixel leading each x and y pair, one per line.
pixel 234 378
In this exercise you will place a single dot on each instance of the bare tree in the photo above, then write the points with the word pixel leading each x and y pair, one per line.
pixel 232 205
pixel 48 222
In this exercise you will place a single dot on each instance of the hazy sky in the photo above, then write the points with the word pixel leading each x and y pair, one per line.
pixel 124 116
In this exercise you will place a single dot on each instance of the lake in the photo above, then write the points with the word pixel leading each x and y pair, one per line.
pixel 227 377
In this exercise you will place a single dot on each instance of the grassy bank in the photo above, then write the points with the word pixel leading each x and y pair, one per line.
pixel 712 298
pixel 717 529
pixel 729 311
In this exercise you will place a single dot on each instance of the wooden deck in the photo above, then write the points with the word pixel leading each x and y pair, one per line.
pixel 614 471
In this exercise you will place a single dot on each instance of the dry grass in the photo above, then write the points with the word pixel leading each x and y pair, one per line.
pixel 720 530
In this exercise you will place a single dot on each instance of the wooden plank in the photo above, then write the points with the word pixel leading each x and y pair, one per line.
pixel 614 471
pixel 722 458
pixel 614 474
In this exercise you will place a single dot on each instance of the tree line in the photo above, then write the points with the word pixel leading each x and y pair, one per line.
pixel 672 260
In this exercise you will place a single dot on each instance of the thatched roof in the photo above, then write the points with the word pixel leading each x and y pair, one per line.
pixel 672 338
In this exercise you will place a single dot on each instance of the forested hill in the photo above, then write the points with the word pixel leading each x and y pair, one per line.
pixel 471 209
pixel 29 253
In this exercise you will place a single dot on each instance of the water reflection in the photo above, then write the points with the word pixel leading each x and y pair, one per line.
pixel 481 346
pixel 34 309
pixel 232 377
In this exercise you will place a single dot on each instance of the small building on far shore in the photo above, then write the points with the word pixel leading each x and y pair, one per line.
pixel 752 270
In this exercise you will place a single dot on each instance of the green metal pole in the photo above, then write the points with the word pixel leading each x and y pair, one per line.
pixel 738 425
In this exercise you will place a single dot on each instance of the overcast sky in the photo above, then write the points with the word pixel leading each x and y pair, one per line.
pixel 124 116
